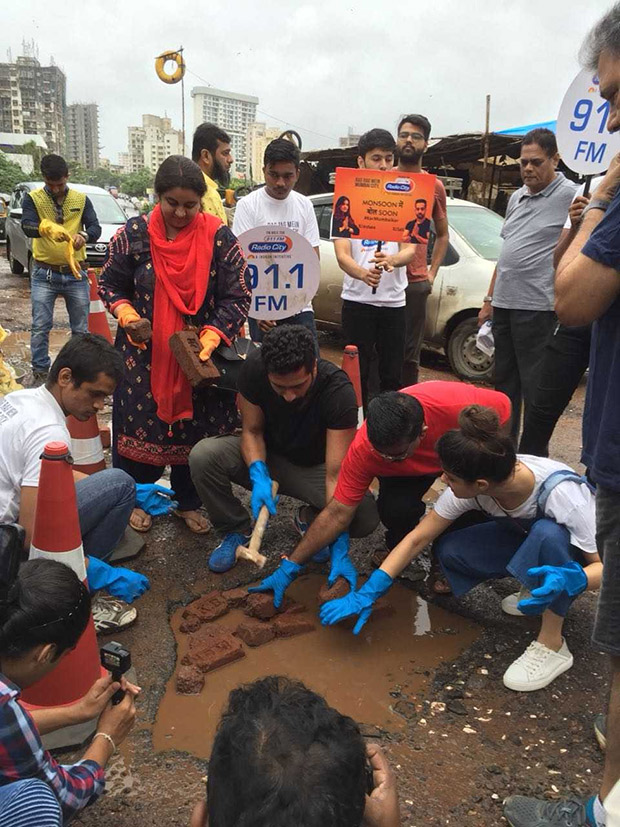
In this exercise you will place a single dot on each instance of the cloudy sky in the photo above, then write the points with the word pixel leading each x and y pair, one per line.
pixel 320 66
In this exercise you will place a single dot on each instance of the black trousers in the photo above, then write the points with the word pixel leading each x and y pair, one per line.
pixel 521 337
pixel 401 506
pixel 565 360
pixel 380 328
pixel 180 480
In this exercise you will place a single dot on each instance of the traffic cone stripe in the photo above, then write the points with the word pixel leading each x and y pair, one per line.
pixel 74 558
pixel 97 318
pixel 87 451
pixel 86 446
pixel 97 307
pixel 351 366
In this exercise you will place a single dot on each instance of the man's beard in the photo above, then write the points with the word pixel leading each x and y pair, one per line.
pixel 410 155
pixel 220 173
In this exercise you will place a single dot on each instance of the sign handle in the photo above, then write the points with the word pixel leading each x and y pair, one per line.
pixel 379 245
pixel 586 189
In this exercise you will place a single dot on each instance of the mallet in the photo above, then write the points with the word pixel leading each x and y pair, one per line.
pixel 251 552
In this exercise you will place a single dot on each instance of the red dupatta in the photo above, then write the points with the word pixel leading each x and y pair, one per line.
pixel 181 269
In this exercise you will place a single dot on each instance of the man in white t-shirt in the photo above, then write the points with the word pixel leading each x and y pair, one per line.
pixel 278 204
pixel 375 321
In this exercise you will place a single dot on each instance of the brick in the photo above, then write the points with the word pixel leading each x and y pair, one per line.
pixel 289 625
pixel 260 606
pixel 291 607
pixel 208 607
pixel 186 347
pixel 255 632
pixel 190 680
pixel 235 597
pixel 339 589
pixel 190 622
pixel 208 652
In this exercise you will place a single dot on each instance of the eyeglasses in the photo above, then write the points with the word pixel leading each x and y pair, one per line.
pixel 62 619
pixel 415 136
pixel 534 162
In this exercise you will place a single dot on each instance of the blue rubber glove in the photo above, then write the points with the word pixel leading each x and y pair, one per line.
pixel 261 488
pixel 341 565
pixel 570 578
pixel 155 499
pixel 357 603
pixel 279 581
pixel 122 583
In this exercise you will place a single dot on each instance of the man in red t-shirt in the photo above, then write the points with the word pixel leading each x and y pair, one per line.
pixel 396 443
pixel 411 144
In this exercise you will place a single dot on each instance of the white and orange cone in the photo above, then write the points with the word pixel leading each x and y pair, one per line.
pixel 97 317
pixel 351 366
pixel 86 445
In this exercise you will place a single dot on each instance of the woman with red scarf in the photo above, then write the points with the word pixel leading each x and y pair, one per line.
pixel 177 266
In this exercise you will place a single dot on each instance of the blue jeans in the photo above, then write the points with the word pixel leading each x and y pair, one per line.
pixel 498 549
pixel 305 319
pixel 29 803
pixel 45 285
pixel 105 501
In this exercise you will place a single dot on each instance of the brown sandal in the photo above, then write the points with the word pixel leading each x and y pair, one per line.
pixel 193 523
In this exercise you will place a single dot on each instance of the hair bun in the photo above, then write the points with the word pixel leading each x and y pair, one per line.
pixel 477 422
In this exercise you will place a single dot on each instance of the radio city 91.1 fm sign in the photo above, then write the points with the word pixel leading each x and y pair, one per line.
pixel 283 272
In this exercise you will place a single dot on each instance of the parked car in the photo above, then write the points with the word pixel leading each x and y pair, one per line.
pixel 19 246
pixel 4 209
pixel 461 284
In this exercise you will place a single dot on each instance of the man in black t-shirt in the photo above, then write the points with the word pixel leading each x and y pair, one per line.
pixel 299 416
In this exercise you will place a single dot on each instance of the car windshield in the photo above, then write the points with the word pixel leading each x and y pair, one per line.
pixel 108 211
pixel 480 227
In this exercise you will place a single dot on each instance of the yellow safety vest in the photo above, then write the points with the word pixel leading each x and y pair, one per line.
pixel 211 201
pixel 54 252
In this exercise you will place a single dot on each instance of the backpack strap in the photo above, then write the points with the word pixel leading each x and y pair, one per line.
pixel 555 478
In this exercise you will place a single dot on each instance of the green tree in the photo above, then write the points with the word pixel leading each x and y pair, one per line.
pixel 10 174
pixel 137 183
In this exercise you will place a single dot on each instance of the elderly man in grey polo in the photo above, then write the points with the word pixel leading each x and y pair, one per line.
pixel 521 297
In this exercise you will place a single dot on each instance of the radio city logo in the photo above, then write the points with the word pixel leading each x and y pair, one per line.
pixel 401 185
pixel 275 244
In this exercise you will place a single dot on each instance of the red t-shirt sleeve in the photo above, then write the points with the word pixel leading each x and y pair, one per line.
pixel 355 475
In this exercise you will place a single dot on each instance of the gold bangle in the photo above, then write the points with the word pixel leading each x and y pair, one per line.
pixel 107 737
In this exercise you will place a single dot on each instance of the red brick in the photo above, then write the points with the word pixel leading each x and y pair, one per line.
pixel 208 652
pixel 235 597
pixel 260 606
pixel 288 625
pixel 190 680
pixel 208 607
pixel 291 607
pixel 339 589
pixel 190 622
pixel 255 632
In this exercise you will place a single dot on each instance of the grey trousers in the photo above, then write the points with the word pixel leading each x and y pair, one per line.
pixel 416 293
pixel 216 462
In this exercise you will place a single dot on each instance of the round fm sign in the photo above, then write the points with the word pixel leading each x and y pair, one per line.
pixel 283 272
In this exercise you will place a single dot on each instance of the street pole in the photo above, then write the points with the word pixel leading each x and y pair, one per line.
pixel 485 161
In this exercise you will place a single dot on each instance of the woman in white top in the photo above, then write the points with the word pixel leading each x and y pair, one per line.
pixel 532 526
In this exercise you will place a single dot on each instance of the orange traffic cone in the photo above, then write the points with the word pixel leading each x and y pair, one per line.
pixel 97 318
pixel 351 366
pixel 86 445
pixel 57 537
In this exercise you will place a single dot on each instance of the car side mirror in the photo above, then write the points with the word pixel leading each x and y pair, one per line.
pixel 15 213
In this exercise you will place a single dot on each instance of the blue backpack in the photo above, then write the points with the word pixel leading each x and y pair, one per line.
pixel 555 478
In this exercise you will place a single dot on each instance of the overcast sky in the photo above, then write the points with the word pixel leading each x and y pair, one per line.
pixel 319 66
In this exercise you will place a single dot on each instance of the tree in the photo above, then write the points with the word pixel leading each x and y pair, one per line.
pixel 31 148
pixel 10 174
pixel 137 183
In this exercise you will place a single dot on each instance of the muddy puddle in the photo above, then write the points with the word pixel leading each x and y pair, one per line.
pixel 16 347
pixel 364 677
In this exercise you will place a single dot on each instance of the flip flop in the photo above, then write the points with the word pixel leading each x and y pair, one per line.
pixel 192 521
pixel 141 527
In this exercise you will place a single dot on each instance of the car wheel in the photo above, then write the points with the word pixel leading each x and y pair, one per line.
pixel 466 360
pixel 16 267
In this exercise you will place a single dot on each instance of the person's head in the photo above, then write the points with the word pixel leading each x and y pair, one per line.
pixel 600 53
pixel 84 374
pixel 283 757
pixel 42 616
pixel 179 185
pixel 342 206
pixel 289 356
pixel 478 455
pixel 55 173
pixel 412 138
pixel 420 208
pixel 395 425
pixel 281 168
pixel 539 158
pixel 211 151
pixel 376 149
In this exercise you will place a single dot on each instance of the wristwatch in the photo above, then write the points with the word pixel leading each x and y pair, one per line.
pixel 487 299
pixel 595 204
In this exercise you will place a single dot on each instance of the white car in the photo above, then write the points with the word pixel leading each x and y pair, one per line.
pixel 462 283
pixel 19 246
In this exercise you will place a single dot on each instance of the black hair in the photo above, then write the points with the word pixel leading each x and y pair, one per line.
pixel 87 355
pixel 283 757
pixel 392 418
pixel 480 449
pixel 544 138
pixel 603 37
pixel 421 201
pixel 179 171
pixel 206 137
pixel 281 150
pixel 54 167
pixel 287 348
pixel 417 120
pixel 375 139
pixel 46 603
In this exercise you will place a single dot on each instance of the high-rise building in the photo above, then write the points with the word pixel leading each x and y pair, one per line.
pixel 33 100
pixel 233 113
pixel 259 135
pixel 150 144
pixel 83 134
pixel 350 139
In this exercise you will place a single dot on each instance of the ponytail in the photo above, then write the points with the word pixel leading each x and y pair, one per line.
pixel 480 449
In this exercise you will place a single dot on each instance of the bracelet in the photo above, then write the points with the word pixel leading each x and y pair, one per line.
pixel 107 737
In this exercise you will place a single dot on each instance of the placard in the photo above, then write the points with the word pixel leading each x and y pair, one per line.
pixel 383 206
pixel 283 272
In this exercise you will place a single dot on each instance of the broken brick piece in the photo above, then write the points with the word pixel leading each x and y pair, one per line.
pixel 260 606
pixel 190 680
pixel 291 607
pixel 288 625
pixel 190 622
pixel 255 632
pixel 208 607
pixel 235 597
pixel 208 652
pixel 339 589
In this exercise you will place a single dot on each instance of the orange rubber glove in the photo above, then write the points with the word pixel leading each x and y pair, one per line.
pixel 127 313
pixel 209 340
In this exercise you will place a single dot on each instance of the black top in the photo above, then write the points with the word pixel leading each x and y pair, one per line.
pixel 296 430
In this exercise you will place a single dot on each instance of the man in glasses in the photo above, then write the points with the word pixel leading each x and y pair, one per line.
pixel 520 298
pixel 396 444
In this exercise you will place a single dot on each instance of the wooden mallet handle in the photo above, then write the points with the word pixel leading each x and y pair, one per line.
pixel 260 525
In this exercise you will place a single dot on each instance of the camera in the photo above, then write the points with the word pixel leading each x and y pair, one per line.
pixel 117 660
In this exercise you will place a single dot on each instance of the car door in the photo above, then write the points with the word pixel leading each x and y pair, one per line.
pixel 327 302
pixel 18 240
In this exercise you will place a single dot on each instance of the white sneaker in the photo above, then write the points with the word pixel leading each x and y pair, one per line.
pixel 537 667
pixel 509 604
pixel 112 615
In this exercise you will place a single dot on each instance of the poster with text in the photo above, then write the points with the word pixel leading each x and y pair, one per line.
pixel 383 206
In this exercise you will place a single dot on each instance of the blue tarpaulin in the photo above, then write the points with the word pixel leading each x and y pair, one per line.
pixel 523 130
